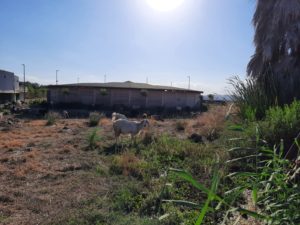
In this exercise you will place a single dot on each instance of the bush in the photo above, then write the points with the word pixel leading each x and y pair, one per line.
pixel 128 165
pixel 94 119
pixel 180 125
pixel 51 118
pixel 128 199
pixel 252 98
pixel 92 139
pixel 281 123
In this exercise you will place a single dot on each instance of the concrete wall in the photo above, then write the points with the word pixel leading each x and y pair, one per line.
pixel 9 83
pixel 134 98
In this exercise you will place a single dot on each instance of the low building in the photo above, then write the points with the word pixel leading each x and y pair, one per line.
pixel 9 87
pixel 125 94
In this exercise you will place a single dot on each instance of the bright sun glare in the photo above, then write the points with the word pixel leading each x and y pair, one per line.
pixel 164 5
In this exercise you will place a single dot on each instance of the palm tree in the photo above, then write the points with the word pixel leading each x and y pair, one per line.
pixel 276 61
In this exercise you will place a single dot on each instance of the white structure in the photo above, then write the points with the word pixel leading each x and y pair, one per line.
pixel 9 86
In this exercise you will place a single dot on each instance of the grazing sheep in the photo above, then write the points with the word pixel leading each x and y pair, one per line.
pixel 117 116
pixel 65 114
pixel 124 126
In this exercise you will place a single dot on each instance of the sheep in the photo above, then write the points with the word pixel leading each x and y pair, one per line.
pixel 115 116
pixel 65 114
pixel 124 126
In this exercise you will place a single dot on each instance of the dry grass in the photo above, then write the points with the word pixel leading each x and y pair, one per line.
pixel 105 122
pixel 208 122
pixel 32 153
pixel 30 166
pixel 11 143
pixel 128 164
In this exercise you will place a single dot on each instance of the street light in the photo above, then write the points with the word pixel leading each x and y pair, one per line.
pixel 24 86
pixel 189 81
pixel 56 76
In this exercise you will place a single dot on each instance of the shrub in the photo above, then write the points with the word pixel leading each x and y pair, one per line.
pixel 92 139
pixel 180 125
pixel 94 119
pixel 128 165
pixel 51 118
pixel 252 98
pixel 128 199
pixel 281 123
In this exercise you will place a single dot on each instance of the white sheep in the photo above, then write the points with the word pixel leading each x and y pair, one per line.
pixel 117 116
pixel 124 126
pixel 65 114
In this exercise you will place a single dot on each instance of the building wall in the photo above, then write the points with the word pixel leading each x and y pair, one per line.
pixel 130 98
pixel 8 82
pixel 9 86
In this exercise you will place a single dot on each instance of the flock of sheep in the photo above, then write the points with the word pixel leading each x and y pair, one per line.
pixel 122 125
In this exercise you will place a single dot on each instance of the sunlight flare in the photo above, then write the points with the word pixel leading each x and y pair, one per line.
pixel 164 5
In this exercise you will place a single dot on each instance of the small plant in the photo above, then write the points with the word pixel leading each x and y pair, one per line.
pixel 93 139
pixel 103 91
pixel 180 125
pixel 51 118
pixel 128 199
pixel 94 119
pixel 128 165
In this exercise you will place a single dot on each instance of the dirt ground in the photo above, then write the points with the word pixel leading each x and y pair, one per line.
pixel 46 170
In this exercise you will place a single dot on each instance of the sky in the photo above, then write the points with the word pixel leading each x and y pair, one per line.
pixel 208 40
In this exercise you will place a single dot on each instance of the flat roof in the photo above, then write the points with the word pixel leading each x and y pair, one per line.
pixel 4 71
pixel 125 85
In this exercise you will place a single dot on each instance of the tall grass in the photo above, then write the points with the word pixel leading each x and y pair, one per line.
pixel 51 118
pixel 272 180
pixel 252 98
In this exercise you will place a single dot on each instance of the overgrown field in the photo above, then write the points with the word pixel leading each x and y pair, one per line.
pixel 63 171
pixel 71 171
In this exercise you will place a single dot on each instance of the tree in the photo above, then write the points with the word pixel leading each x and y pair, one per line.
pixel 276 61
pixel 211 97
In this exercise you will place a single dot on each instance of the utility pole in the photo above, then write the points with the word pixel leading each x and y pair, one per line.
pixel 56 76
pixel 24 86
pixel 189 82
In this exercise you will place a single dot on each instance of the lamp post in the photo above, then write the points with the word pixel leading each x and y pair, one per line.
pixel 189 82
pixel 56 76
pixel 24 86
